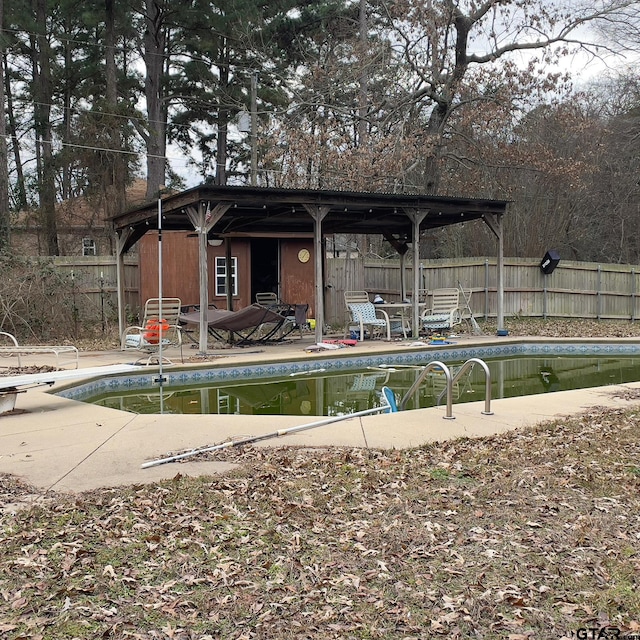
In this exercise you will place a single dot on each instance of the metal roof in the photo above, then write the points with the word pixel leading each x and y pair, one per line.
pixel 276 211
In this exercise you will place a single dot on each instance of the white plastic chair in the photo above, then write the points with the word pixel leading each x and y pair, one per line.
pixel 365 314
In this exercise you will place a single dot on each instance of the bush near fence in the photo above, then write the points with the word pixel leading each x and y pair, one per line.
pixel 62 298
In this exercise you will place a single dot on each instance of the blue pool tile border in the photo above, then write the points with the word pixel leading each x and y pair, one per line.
pixel 338 363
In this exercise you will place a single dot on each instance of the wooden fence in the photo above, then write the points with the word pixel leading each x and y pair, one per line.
pixel 572 290
pixel 95 279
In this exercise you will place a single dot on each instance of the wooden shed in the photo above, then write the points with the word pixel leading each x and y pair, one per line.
pixel 280 265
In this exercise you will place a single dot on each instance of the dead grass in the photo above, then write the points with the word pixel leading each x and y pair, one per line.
pixel 567 328
pixel 532 534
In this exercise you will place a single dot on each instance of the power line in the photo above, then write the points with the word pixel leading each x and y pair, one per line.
pixel 105 149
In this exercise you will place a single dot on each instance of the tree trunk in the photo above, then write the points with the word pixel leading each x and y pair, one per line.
pixel 5 226
pixel 115 180
pixel 43 126
pixel 154 51
pixel 223 117
pixel 364 76
pixel 21 190
pixel 66 120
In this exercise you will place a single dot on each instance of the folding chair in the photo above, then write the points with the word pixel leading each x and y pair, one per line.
pixel 159 328
pixel 467 313
pixel 365 314
pixel 295 314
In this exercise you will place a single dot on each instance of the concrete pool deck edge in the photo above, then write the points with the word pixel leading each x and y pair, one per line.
pixel 60 444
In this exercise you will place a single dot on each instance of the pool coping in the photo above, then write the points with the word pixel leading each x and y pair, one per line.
pixel 339 361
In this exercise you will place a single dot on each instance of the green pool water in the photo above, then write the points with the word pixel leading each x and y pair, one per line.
pixel 339 394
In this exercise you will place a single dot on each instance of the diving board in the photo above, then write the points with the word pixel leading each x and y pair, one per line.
pixel 30 379
pixel 10 386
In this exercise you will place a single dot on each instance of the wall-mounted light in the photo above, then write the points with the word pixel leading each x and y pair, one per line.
pixel 215 242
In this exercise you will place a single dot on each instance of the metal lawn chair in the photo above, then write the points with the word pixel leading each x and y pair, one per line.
pixel 159 328
pixel 267 299
pixel 365 314
pixel 444 312
pixel 295 314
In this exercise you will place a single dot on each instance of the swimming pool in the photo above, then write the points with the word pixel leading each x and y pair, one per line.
pixel 345 384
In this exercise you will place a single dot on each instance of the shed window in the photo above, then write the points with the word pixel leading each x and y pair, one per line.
pixel 221 276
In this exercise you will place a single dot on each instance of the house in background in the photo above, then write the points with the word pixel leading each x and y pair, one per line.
pixel 83 229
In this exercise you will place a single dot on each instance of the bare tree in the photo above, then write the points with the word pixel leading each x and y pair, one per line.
pixel 155 42
pixel 5 226
pixel 441 73
pixel 464 55
pixel 43 90
pixel 620 29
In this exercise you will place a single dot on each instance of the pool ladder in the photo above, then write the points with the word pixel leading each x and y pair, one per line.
pixel 451 380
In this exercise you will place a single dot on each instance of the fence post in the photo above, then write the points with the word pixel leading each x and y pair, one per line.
pixel 486 289
pixel 599 301
pixel 102 300
pixel 633 295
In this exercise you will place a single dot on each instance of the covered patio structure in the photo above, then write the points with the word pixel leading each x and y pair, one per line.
pixel 230 212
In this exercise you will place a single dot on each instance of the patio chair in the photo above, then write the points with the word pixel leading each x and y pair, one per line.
pixel 365 314
pixel 267 299
pixel 295 314
pixel 444 312
pixel 153 329
pixel 17 350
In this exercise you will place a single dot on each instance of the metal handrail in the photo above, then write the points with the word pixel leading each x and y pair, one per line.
pixel 436 364
pixel 487 381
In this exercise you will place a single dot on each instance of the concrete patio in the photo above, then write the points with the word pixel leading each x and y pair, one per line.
pixel 64 445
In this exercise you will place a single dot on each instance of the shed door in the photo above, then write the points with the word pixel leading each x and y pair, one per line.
pixel 264 266
pixel 297 273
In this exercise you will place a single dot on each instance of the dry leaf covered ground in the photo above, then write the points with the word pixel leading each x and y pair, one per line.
pixel 532 534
